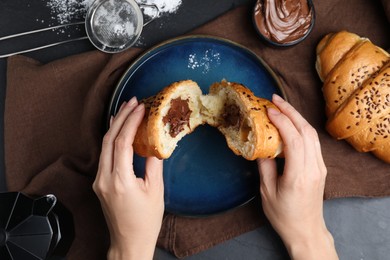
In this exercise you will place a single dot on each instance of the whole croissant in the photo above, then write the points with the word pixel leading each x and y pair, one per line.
pixel 356 76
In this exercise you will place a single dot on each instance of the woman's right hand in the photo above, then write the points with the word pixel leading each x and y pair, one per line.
pixel 293 201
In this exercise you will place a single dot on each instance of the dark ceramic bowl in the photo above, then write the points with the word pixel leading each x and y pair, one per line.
pixel 272 43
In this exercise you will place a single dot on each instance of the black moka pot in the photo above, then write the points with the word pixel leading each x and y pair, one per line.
pixel 33 228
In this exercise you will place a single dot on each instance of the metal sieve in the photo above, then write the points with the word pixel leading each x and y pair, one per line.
pixel 111 26
pixel 115 25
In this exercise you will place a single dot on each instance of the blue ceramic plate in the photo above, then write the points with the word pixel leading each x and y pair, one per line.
pixel 203 176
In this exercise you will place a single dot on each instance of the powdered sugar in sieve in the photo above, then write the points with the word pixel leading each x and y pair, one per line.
pixel 114 25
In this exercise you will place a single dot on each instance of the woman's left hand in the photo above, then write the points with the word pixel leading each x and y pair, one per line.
pixel 133 207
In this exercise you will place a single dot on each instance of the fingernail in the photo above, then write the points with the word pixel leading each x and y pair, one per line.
pixel 122 106
pixel 139 107
pixel 273 111
pixel 132 101
pixel 276 98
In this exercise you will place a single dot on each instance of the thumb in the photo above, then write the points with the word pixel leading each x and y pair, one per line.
pixel 268 175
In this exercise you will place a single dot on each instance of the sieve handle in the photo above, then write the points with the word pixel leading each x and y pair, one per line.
pixel 38 31
pixel 41 47
pixel 152 17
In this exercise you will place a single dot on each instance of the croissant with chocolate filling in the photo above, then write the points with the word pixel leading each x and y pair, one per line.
pixel 356 76
pixel 181 107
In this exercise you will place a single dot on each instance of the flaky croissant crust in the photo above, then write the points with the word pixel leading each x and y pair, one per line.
pixel 356 76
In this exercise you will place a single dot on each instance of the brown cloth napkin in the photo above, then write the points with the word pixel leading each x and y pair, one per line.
pixel 55 113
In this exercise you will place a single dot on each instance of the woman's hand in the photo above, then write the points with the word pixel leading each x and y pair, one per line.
pixel 133 207
pixel 293 201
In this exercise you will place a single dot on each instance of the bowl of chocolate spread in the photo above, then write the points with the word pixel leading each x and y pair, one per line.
pixel 283 23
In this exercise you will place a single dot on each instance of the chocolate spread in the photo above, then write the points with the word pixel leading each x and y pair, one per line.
pixel 232 116
pixel 178 116
pixel 283 21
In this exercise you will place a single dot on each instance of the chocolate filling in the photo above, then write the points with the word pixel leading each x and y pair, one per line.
pixel 178 116
pixel 231 116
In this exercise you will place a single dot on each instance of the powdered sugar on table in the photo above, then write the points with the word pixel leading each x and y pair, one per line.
pixel 66 11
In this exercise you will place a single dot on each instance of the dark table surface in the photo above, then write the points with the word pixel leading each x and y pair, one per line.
pixel 361 227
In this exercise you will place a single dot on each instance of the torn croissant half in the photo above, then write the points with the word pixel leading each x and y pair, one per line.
pixel 231 107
